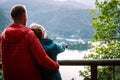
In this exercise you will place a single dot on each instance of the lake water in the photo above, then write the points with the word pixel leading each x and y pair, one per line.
pixel 69 72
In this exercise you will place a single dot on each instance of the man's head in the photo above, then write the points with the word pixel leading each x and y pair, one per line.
pixel 38 30
pixel 19 14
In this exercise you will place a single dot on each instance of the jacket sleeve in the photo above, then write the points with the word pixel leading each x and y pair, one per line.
pixel 56 47
pixel 39 53
pixel 60 47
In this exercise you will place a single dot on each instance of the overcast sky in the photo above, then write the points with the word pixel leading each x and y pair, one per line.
pixel 88 2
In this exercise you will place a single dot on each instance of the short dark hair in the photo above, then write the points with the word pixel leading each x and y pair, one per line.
pixel 17 11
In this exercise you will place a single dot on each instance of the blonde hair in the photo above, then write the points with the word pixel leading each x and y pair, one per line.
pixel 38 30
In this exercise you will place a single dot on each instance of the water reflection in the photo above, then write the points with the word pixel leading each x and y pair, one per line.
pixel 70 72
pixel 72 55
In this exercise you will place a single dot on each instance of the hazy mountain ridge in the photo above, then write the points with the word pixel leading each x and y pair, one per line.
pixel 60 19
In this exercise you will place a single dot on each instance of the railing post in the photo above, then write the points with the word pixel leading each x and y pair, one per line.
pixel 93 72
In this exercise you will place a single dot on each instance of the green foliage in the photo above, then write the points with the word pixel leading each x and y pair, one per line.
pixel 1 75
pixel 106 40
pixel 106 23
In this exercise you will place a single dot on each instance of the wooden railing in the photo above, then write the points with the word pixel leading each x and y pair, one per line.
pixel 89 62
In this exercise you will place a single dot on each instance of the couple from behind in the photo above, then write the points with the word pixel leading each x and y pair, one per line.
pixel 22 52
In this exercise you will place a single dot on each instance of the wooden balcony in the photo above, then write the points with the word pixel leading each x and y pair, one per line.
pixel 89 62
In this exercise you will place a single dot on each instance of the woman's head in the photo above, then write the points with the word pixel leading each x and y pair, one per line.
pixel 38 30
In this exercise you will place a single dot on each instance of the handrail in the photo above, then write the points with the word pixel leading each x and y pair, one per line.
pixel 88 62
pixel 101 62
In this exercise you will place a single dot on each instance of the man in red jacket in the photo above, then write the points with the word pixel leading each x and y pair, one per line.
pixel 22 53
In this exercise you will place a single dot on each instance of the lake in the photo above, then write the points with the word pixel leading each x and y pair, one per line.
pixel 69 72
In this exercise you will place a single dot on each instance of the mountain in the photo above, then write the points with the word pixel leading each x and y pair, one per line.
pixel 61 19
pixel 75 4
pixel 4 21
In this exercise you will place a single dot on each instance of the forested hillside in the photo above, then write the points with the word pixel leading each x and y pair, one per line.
pixel 4 21
pixel 63 19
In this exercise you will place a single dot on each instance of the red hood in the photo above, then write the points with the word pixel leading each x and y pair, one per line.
pixel 14 33
pixel 0 38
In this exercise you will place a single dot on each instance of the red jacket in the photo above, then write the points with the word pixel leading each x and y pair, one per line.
pixel 22 54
